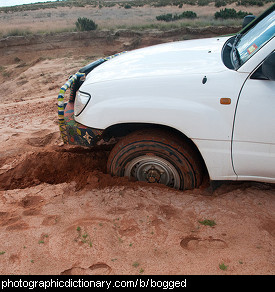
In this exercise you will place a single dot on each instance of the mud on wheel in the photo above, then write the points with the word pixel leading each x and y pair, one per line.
pixel 156 156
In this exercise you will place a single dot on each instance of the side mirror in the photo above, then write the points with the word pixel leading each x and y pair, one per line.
pixel 268 67
pixel 247 19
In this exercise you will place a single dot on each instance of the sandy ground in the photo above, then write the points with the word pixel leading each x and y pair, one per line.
pixel 61 214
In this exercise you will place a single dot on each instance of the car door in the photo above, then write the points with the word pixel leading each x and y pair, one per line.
pixel 253 143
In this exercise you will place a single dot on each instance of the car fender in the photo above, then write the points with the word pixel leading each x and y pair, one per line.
pixel 170 101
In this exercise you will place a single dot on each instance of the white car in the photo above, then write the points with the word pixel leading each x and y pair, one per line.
pixel 178 111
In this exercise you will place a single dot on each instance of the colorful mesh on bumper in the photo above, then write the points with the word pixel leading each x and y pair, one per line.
pixel 71 131
pixel 76 133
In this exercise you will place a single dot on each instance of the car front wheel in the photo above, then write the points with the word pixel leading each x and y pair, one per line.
pixel 156 156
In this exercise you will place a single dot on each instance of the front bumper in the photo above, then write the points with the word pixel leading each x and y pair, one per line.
pixel 71 131
pixel 78 134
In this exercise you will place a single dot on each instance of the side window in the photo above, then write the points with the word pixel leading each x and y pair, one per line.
pixel 267 70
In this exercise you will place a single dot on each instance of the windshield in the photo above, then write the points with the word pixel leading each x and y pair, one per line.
pixel 249 43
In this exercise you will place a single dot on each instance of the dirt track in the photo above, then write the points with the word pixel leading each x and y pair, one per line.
pixel 60 213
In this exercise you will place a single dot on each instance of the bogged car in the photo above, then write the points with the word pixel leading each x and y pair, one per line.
pixel 179 111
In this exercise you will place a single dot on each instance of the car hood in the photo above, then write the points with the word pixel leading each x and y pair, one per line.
pixel 184 57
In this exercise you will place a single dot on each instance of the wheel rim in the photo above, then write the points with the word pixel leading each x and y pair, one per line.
pixel 153 169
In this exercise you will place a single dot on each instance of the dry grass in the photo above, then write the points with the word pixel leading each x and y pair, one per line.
pixel 64 18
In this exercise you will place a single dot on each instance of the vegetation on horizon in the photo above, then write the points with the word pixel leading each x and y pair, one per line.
pixel 127 4
pixel 223 17
pixel 169 17
pixel 227 13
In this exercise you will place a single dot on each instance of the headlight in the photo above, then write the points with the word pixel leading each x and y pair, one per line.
pixel 81 101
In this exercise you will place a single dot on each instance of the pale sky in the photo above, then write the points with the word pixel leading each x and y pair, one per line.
pixel 19 2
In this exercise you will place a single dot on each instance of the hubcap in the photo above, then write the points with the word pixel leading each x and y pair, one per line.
pixel 153 169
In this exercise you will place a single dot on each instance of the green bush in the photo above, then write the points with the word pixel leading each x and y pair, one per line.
pixel 165 17
pixel 220 3
pixel 251 2
pixel 85 24
pixel 203 2
pixel 169 17
pixel 185 14
pixel 230 13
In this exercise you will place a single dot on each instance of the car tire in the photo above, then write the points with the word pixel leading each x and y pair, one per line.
pixel 157 156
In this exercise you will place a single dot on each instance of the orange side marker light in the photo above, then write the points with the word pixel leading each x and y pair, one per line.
pixel 225 100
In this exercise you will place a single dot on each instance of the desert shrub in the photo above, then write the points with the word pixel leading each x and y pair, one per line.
pixel 169 17
pixel 227 13
pixel 127 6
pixel 203 2
pixel 186 14
pixel 251 2
pixel 165 17
pixel 85 24
pixel 163 3
pixel 220 3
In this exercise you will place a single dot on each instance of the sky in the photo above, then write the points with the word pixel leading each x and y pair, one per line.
pixel 19 2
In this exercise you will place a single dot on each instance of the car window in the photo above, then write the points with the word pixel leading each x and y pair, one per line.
pixel 256 37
